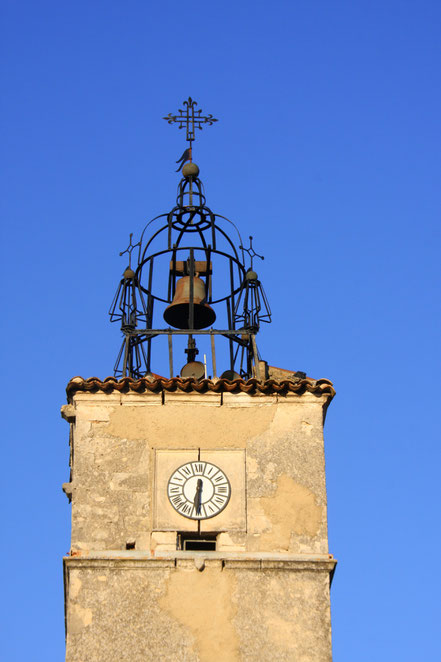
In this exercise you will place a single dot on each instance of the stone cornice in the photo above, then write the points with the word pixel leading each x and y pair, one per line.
pixel 155 385
pixel 221 560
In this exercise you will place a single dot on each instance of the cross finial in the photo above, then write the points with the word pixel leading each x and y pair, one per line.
pixel 130 248
pixel 190 118
pixel 251 252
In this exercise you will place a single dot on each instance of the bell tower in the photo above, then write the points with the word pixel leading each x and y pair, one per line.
pixel 199 527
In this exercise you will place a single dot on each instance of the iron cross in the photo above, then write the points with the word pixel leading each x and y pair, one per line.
pixel 190 118
pixel 251 252
pixel 130 248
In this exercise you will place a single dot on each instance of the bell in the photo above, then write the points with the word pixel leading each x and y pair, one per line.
pixel 177 313
pixel 194 369
pixel 230 375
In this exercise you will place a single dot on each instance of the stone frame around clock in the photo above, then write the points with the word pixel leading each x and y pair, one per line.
pixel 231 518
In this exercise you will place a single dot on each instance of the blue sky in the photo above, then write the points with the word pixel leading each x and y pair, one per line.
pixel 328 152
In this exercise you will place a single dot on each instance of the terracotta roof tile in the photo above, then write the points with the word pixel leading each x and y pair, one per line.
pixel 187 385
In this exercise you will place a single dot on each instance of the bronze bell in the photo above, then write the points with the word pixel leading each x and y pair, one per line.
pixel 195 369
pixel 177 313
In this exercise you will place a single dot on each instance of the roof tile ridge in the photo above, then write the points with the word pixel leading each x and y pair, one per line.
pixel 190 384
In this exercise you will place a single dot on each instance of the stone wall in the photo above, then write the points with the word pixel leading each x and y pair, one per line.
pixel 115 437
pixel 263 595
pixel 233 611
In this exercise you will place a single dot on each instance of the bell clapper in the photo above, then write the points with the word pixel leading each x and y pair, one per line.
pixel 191 351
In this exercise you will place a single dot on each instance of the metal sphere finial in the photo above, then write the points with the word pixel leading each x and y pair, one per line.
pixel 190 170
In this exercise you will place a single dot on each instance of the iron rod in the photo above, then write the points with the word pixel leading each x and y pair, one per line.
pixel 126 356
pixel 256 356
pixel 172 277
pixel 213 356
pixel 170 354
pixel 191 306
pixel 187 332
pixel 230 324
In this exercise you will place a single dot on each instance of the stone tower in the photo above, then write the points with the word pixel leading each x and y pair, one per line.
pixel 199 527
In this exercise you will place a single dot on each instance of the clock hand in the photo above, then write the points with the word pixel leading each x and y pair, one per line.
pixel 198 497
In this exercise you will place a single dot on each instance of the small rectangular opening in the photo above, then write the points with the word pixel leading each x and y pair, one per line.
pixel 188 542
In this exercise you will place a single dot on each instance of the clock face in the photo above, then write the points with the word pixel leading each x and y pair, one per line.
pixel 198 490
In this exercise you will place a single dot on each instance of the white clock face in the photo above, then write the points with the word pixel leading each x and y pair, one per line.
pixel 198 490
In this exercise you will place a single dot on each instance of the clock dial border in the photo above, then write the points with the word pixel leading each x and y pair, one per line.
pixel 193 475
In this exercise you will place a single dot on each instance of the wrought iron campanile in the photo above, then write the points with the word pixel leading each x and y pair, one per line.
pixel 190 274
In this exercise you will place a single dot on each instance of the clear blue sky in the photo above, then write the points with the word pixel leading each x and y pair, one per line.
pixel 328 152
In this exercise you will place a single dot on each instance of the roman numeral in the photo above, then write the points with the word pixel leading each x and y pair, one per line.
pixel 177 500
pixel 198 468
pixel 221 489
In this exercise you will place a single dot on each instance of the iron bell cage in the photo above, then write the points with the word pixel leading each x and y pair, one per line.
pixel 191 273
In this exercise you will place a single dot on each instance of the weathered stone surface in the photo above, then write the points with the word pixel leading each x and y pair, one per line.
pixel 131 596
pixel 114 445
pixel 198 611
pixel 116 616
pixel 68 413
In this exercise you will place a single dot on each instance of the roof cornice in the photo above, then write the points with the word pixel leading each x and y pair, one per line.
pixel 155 385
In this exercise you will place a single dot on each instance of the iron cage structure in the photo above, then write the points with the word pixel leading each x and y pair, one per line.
pixel 205 249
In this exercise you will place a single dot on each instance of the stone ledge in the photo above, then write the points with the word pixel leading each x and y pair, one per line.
pixel 68 412
pixel 116 562
pixel 224 561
